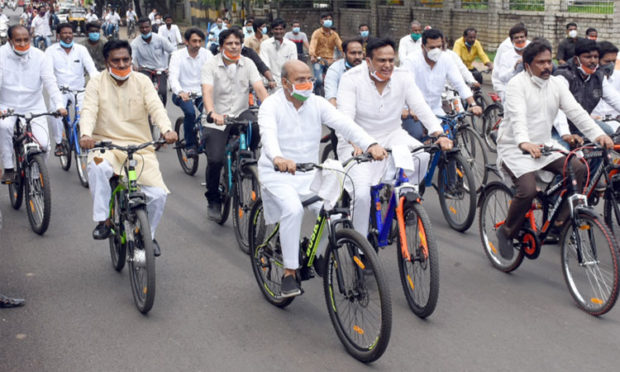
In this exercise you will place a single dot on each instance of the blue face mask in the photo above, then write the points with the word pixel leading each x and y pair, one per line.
pixel 94 36
pixel 468 44
pixel 66 45
pixel 347 65
pixel 147 36
pixel 328 23
pixel 364 33
pixel 264 30
pixel 296 30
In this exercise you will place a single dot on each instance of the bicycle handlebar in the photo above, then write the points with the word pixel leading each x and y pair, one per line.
pixel 67 89
pixel 29 116
pixel 103 145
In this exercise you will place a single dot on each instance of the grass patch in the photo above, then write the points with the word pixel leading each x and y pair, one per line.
pixel 595 8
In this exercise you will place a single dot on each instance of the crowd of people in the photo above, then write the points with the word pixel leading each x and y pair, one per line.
pixel 378 95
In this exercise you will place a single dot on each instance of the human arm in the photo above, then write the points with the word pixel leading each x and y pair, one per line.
pixel 268 125
pixel 257 83
pixel 580 117
pixel 154 106
pixel 422 110
pixel 258 62
pixel 463 70
pixel 168 47
pixel 173 74
pixel 313 43
pixel 50 85
pixel 334 72
pixel 305 42
pixel 89 113
pixel 610 95
pixel 344 125
pixel 89 64
pixel 561 52
pixel 515 108
pixel 482 55
pixel 207 80
pixel 177 34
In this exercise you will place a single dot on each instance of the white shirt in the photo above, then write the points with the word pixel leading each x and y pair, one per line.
pixel 275 54
pixel 113 18
pixel 152 17
pixel 153 55
pixel 380 114
pixel 406 47
pixel 69 67
pixel 432 81
pixel 184 71
pixel 504 69
pixel 503 47
pixel 22 80
pixel 173 35
pixel 42 25
pixel 529 112
pixel 3 18
pixel 92 17
pixel 332 78
pixel 603 108
pixel 131 15
pixel 465 73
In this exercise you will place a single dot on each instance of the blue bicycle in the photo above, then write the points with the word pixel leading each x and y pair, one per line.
pixel 71 139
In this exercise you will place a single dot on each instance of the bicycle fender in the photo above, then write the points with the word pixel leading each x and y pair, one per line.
pixel 587 210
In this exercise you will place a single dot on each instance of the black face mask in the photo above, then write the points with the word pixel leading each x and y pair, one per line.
pixel 608 69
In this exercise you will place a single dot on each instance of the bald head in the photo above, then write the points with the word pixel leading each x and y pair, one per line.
pixel 294 67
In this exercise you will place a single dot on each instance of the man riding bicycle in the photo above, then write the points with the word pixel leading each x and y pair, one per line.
pixel 94 44
pixel 40 27
pixel 290 124
pixel 69 61
pixel 185 65
pixel 150 53
pixel 322 44
pixel 24 74
pixel 468 48
pixel 353 56
pixel 533 99
pixel 226 81
pixel 117 104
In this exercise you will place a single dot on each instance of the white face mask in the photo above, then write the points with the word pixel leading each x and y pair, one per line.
pixel 538 81
pixel 434 54
pixel 572 33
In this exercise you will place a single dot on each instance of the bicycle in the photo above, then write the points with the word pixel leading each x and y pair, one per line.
pixel 589 250
pixel 156 77
pixel 131 29
pixel 417 254
pixel 189 164
pixel 354 282
pixel 319 87
pixel 71 139
pixel 32 177
pixel 492 119
pixel 131 240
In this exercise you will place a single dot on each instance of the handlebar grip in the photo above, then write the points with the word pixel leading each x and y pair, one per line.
pixel 103 143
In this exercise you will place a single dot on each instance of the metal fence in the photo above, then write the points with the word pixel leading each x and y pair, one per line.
pixel 591 6
pixel 474 4
pixel 531 5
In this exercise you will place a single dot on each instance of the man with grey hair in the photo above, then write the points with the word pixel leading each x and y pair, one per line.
pixel 410 43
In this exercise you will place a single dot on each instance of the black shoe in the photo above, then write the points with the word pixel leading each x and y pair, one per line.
pixel 8 177
pixel 290 287
pixel 59 150
pixel 102 231
pixel 191 152
pixel 553 237
pixel 7 302
pixel 214 211
pixel 505 244
pixel 156 249
pixel 319 265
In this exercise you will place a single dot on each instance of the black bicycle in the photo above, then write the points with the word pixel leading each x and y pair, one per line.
pixel 32 178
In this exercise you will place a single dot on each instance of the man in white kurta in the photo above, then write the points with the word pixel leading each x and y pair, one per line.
pixel 290 128
pixel 70 60
pixel 24 74
pixel 533 99
pixel 373 95
pixel 509 64
pixel 410 43
pixel 117 104
pixel 277 50
pixel 170 32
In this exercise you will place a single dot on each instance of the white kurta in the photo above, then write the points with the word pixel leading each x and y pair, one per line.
pixel 504 69
pixel 529 112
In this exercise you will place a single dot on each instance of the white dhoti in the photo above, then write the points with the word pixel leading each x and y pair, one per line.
pixel 57 125
pixel 366 175
pixel 39 130
pixel 99 184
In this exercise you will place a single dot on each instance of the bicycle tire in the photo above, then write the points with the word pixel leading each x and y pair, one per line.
pixel 244 198
pixel 498 196
pixel 602 264
pixel 189 164
pixel 38 182
pixel 492 118
pixel 118 245
pixel 611 214
pixel 358 339
pixel 16 188
pixel 81 166
pixel 142 263
pixel 266 257
pixel 473 150
pixel 65 160
pixel 464 188
pixel 224 197
pixel 477 121
pixel 327 153
pixel 424 261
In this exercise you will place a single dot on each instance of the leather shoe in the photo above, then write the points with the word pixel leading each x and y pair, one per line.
pixel 506 248
pixel 8 302
pixel 156 249
pixel 102 231
pixel 214 210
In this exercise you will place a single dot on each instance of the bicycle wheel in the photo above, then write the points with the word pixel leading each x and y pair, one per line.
pixel 224 196
pixel 611 214
pixel 477 121
pixel 245 193
pixel 419 267
pixel 142 264
pixel 496 199
pixel 189 164
pixel 81 164
pixel 38 194
pixel 117 241
pixel 65 159
pixel 266 257
pixel 593 280
pixel 357 296
pixel 473 150
pixel 457 192
pixel 16 189
pixel 492 119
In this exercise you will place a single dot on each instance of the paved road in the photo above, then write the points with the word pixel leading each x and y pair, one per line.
pixel 209 314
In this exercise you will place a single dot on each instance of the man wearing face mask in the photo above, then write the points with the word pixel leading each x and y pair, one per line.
pixel 431 70
pixel 322 44
pixel 353 56
pixel 511 62
pixel 533 98
pixel 170 32
pixel 291 124
pixel 566 49
pixel 468 48
pixel 299 38
pixel 117 105
pixel 373 95
pixel 70 60
pixel 364 31
pixel 411 43
pixel 94 44
pixel 226 81
pixel 214 34
pixel 607 62
pixel 24 74
pixel 260 35
pixel 248 29
pixel 150 52
pixel 40 27
pixel 591 34
pixel 277 50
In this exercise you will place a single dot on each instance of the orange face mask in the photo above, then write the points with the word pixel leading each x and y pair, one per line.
pixel 520 46
pixel 302 91
pixel 231 58
pixel 120 74
pixel 21 50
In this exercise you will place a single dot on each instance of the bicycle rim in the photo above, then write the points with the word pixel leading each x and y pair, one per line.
pixel 357 296
pixel 457 194
pixel 419 273
pixel 245 194
pixel 593 282
pixel 492 120
pixel 189 164
pixel 142 264
pixel 38 195
pixel 65 160
pixel 81 163
pixel 493 211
